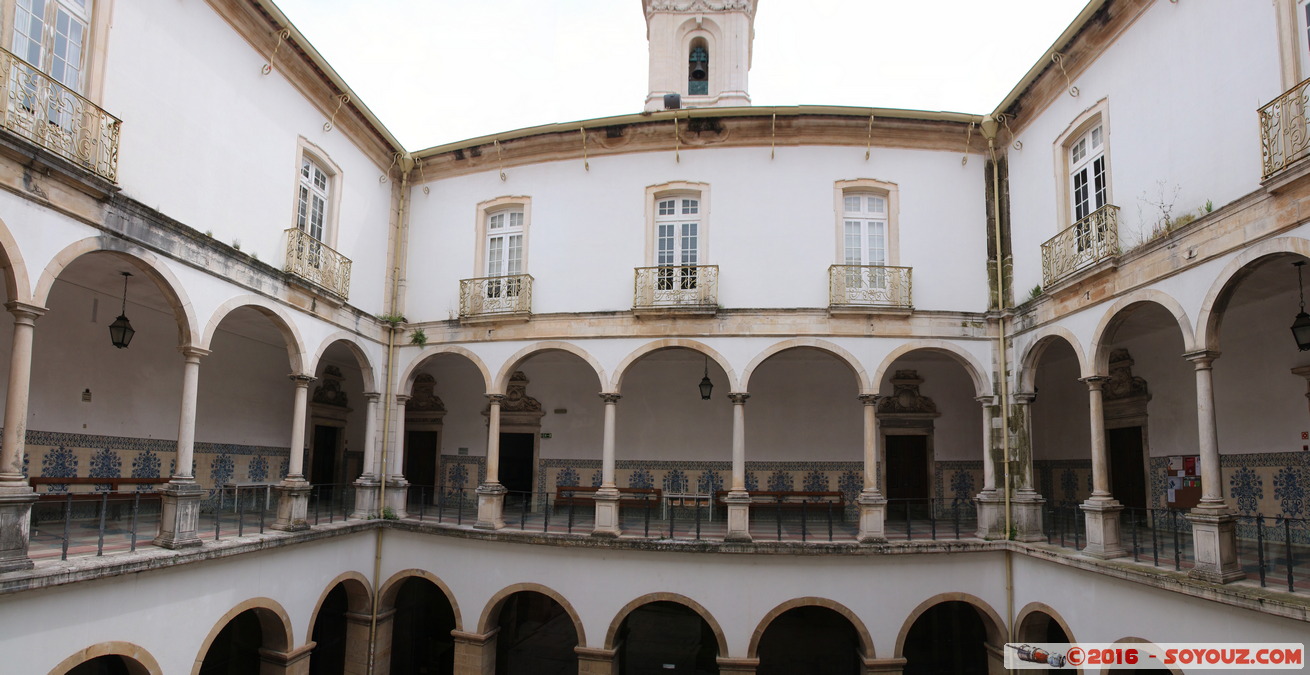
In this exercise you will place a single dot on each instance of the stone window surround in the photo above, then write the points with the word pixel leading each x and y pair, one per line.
pixel 654 193
pixel 889 191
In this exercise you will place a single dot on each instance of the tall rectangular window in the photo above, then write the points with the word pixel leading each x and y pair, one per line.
pixel 52 35
pixel 311 210
pixel 677 246
pixel 1087 173
pixel 504 250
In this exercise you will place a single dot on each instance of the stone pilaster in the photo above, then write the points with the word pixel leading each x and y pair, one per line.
pixel 475 654
pixel 735 666
pixel 597 661
pixel 294 662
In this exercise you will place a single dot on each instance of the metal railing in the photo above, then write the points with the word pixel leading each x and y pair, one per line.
pixel 1280 544
pixel 676 286
pixel 1284 130
pixel 315 262
pixel 509 295
pixel 1085 243
pixel 120 521
pixel 869 286
pixel 49 114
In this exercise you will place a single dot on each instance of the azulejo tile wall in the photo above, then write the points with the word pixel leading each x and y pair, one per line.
pixel 1064 482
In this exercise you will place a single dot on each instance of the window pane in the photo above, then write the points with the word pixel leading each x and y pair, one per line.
pixel 1080 204
pixel 1098 181
pixel 689 243
pixel 495 256
pixel 495 221
pixel 877 205
pixel 514 255
pixel 877 243
pixel 516 219
pixel 690 206
pixel 851 204
pixel 667 207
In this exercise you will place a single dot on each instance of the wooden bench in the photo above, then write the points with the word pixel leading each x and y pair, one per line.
pixel 794 500
pixel 585 495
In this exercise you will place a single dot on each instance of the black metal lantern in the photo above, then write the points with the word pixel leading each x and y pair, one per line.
pixel 705 385
pixel 120 331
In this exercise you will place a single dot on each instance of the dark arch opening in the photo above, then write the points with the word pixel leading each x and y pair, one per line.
pixel 811 640
pixel 236 648
pixel 420 631
pixel 1041 627
pixel 948 638
pixel 667 636
pixel 110 664
pixel 536 637
pixel 698 68
pixel 329 655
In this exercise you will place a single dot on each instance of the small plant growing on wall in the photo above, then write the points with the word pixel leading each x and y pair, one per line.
pixel 418 337
pixel 389 513
pixel 236 244
pixel 1035 293
pixel 392 319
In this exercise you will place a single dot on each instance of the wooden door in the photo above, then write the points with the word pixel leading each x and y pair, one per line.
pixel 907 473
pixel 421 457
pixel 1127 466
pixel 322 470
pixel 516 462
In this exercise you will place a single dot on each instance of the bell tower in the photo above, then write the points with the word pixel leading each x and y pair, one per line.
pixel 700 50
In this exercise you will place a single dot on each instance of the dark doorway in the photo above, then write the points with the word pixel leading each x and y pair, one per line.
pixel 907 475
pixel 235 650
pixel 536 637
pixel 324 468
pixel 810 640
pixel 1040 627
pixel 421 643
pixel 667 637
pixel 948 638
pixel 421 457
pixel 329 655
pixel 102 665
pixel 1127 468
pixel 516 462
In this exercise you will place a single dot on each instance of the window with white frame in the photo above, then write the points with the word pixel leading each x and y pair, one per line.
pixel 504 250
pixel 1087 172
pixel 314 196
pixel 867 238
pixel 864 222
pixel 677 241
pixel 53 36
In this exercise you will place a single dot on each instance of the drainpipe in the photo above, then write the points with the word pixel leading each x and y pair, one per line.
pixel 406 162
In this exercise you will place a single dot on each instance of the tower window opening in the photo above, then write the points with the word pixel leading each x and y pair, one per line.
pixel 698 71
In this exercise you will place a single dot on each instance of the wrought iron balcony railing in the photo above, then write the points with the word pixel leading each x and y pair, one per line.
pixel 676 287
pixel 489 297
pixel 312 260
pixel 869 286
pixel 1284 130
pixel 1085 243
pixel 41 110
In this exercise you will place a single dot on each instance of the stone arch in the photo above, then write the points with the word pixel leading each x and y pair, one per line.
pixel 274 623
pixel 680 599
pixel 139 661
pixel 391 587
pixel 411 371
pixel 349 340
pixel 144 261
pixel 491 613
pixel 975 369
pixel 1042 340
pixel 15 273
pixel 992 622
pixel 1115 315
pixel 1209 319
pixel 512 364
pixel 1033 608
pixel 857 368
pixel 670 343
pixel 359 597
pixel 866 640
pixel 283 323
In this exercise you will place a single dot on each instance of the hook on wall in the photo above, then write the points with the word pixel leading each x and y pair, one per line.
pixel 342 99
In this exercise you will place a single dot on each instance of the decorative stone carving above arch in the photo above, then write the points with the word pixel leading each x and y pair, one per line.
pixel 1124 395
pixel 424 406
pixel 906 406
pixel 329 392
pixel 518 409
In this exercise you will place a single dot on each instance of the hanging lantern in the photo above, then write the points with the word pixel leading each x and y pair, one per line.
pixel 705 385
pixel 120 331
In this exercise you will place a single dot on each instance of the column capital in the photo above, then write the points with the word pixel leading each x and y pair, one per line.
pixel 372 396
pixel 610 398
pixel 869 399
pixel 1202 358
pixel 1095 382
pixel 738 398
pixel 301 380
pixel 191 352
pixel 1024 397
pixel 495 399
pixel 402 399
pixel 24 310
pixel 986 400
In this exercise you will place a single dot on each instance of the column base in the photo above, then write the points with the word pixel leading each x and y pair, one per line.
pixel 1214 540
pixel 739 517
pixel 491 506
pixel 1026 516
pixel 1103 539
pixel 179 514
pixel 15 526
pixel 991 515
pixel 873 517
pixel 366 499
pixel 607 514
pixel 292 505
pixel 396 498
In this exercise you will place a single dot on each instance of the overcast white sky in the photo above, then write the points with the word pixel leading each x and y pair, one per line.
pixel 437 71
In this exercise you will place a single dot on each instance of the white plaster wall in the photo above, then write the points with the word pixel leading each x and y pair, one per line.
pixel 1183 84
pixel 244 394
pixel 770 226
pixel 1061 422
pixel 211 142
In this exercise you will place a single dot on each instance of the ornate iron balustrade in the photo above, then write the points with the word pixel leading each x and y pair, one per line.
pixel 869 286
pixel 45 112
pixel 313 261
pixel 1284 130
pixel 676 286
pixel 509 295
pixel 1087 242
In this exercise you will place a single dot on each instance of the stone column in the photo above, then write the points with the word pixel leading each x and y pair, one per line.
pixel 397 489
pixel 491 494
pixel 475 654
pixel 382 639
pixel 1026 504
pixel 356 661
pixel 293 497
pixel 1101 510
pixel 366 488
pixel 1214 525
pixel 607 497
pixel 738 500
pixel 16 495
pixel 991 502
pixel 593 661
pixel 180 509
pixel 294 662
pixel 872 505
